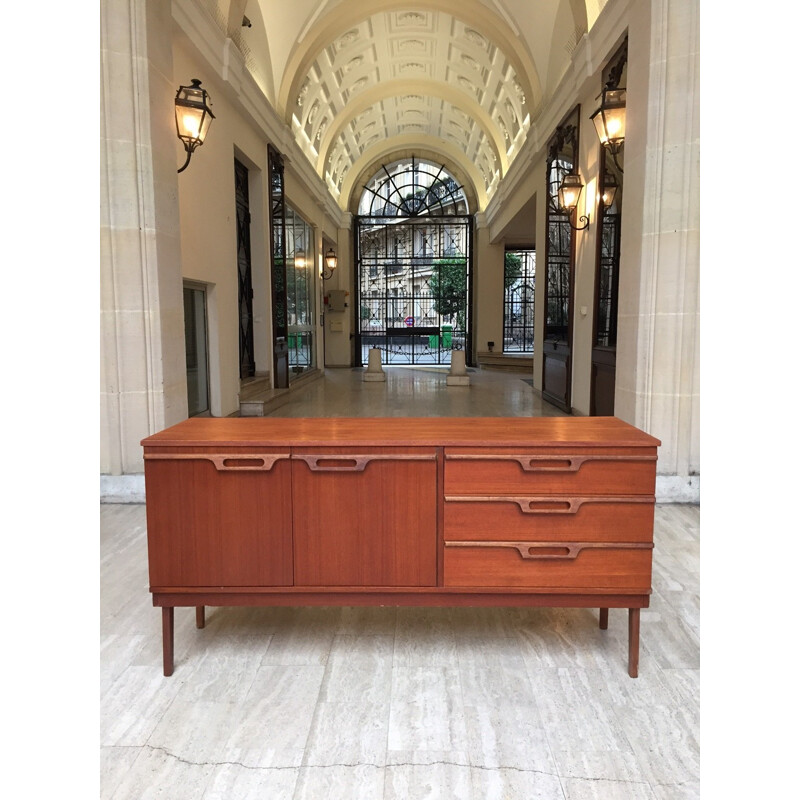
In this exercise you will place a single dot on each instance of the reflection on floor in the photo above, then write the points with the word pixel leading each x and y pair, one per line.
pixel 408 703
pixel 418 392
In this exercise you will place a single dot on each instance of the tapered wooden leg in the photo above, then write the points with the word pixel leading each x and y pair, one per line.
pixel 168 638
pixel 200 616
pixel 633 642
pixel 603 619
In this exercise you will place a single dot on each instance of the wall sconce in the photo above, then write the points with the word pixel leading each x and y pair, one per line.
pixel 331 262
pixel 610 187
pixel 609 119
pixel 193 117
pixel 299 259
pixel 568 195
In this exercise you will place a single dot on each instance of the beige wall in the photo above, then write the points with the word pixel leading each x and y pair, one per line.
pixel 487 286
pixel 339 347
pixel 208 231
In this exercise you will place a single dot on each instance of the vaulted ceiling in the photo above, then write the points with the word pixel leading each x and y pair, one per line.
pixel 359 81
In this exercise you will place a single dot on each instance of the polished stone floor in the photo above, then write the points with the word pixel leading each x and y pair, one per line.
pixel 418 392
pixel 408 703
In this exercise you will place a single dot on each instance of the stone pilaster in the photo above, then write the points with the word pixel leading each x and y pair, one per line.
pixel 143 378
pixel 658 341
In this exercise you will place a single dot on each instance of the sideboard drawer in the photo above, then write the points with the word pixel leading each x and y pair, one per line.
pixel 540 472
pixel 535 518
pixel 575 567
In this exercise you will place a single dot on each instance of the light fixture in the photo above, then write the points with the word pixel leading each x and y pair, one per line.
pixel 609 119
pixel 568 195
pixel 610 187
pixel 299 259
pixel 331 262
pixel 193 117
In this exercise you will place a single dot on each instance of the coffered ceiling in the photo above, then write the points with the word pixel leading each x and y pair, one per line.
pixel 358 80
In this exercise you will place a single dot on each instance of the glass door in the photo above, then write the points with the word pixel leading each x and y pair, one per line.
pixel 195 323
pixel 300 299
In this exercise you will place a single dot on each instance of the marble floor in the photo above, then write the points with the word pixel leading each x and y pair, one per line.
pixel 407 703
pixel 418 392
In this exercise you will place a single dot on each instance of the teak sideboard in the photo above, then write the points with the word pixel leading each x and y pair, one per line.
pixel 435 511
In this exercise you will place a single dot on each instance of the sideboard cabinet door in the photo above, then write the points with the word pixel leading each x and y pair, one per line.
pixel 365 517
pixel 219 518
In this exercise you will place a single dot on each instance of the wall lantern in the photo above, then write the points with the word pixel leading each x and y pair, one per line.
pixel 193 117
pixel 609 119
pixel 331 262
pixel 610 187
pixel 299 259
pixel 568 195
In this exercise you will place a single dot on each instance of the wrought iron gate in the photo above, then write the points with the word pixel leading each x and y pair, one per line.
pixel 414 266
pixel 247 361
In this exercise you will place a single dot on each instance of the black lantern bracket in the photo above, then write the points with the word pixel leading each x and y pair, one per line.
pixel 331 261
pixel 612 111
pixel 193 116
pixel 568 196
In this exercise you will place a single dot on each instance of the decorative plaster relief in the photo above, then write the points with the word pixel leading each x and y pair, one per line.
pixel 504 130
pixel 358 86
pixel 347 39
pixel 468 85
pixel 471 62
pixel 476 38
pixel 411 18
pixel 370 142
pixel 303 92
pixel 411 46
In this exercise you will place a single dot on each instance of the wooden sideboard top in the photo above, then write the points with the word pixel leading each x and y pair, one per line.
pixel 385 431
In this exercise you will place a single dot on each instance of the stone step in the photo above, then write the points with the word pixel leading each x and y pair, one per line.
pixel 506 361
pixel 252 387
pixel 259 403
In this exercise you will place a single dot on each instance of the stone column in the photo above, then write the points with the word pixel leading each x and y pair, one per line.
pixel 143 372
pixel 374 371
pixel 658 324
pixel 458 370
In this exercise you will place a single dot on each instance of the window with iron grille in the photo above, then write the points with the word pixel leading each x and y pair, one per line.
pixel 520 285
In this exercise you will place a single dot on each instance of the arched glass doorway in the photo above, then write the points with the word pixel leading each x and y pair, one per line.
pixel 413 237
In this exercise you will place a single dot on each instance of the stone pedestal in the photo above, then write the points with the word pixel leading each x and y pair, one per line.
pixel 374 369
pixel 458 369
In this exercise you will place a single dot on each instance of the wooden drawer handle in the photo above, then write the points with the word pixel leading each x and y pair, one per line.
pixel 548 463
pixel 551 504
pixel 555 551
pixel 345 462
pixel 233 462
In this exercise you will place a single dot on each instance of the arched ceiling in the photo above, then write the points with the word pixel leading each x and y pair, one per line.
pixel 357 80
